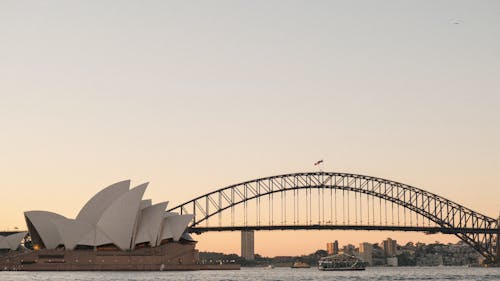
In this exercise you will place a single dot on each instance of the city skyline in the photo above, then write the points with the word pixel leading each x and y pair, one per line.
pixel 384 253
pixel 193 97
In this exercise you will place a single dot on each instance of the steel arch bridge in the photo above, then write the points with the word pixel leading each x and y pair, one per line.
pixel 355 202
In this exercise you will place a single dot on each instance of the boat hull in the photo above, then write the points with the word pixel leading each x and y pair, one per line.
pixel 341 269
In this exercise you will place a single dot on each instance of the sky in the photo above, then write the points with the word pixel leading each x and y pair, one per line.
pixel 192 96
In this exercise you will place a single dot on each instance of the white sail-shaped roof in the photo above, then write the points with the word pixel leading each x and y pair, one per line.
pixel 115 215
pixel 95 238
pixel 149 225
pixel 119 220
pixel 187 236
pixel 72 231
pixel 175 225
pixel 166 232
pixel 15 239
pixel 95 207
pixel 3 243
pixel 42 221
pixel 146 203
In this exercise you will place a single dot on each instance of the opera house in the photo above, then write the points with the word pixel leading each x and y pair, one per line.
pixel 11 242
pixel 115 230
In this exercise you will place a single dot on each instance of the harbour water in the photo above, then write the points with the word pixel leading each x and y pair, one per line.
pixel 276 274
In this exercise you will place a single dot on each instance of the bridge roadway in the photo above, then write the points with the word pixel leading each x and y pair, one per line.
pixel 426 229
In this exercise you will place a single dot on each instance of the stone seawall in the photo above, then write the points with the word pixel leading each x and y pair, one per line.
pixel 170 256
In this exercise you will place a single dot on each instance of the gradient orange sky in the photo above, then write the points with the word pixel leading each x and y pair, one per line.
pixel 194 96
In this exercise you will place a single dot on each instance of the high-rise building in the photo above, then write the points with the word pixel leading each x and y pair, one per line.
pixel 390 247
pixel 366 252
pixel 329 248
pixel 349 249
pixel 332 247
pixel 247 245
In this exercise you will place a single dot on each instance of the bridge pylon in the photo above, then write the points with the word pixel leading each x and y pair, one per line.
pixel 497 257
pixel 248 245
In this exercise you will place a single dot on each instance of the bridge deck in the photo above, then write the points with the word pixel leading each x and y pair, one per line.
pixel 426 229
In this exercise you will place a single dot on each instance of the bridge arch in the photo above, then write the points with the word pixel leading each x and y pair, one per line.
pixel 475 229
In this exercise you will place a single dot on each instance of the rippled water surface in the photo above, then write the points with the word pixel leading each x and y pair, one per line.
pixel 254 274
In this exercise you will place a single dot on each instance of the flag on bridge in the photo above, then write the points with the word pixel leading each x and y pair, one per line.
pixel 319 162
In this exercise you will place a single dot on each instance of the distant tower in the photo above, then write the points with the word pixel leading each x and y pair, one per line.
pixel 366 252
pixel 390 247
pixel 332 248
pixel 247 245
pixel 329 248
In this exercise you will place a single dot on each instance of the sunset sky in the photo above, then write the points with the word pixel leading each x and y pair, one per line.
pixel 194 96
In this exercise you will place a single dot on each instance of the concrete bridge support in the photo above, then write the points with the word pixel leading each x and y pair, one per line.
pixel 247 245
pixel 497 258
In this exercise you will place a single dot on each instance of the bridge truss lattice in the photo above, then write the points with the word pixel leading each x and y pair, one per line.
pixel 323 200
